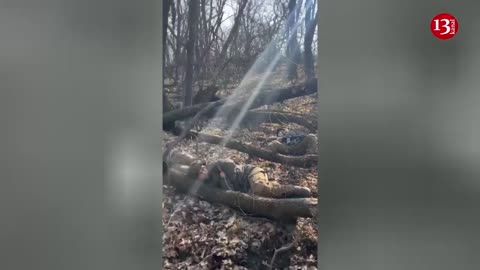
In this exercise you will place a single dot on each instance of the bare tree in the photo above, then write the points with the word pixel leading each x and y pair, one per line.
pixel 292 47
pixel 178 46
pixel 233 33
pixel 194 7
pixel 165 11
pixel 310 25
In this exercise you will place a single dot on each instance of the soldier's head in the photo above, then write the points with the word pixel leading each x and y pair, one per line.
pixel 226 163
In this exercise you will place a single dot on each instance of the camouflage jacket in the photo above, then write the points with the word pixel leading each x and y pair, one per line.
pixel 234 177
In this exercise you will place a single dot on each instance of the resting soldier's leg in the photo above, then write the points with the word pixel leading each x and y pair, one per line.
pixel 307 146
pixel 311 142
pixel 261 186
pixel 278 147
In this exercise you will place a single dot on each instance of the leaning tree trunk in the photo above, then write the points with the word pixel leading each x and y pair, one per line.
pixel 278 209
pixel 220 63
pixel 193 10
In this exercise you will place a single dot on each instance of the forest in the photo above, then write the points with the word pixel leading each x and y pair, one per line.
pixel 240 84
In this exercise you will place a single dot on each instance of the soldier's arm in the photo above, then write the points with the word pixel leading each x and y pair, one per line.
pixel 198 171
pixel 221 173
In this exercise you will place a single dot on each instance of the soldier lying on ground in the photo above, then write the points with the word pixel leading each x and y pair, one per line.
pixel 227 175
pixel 294 144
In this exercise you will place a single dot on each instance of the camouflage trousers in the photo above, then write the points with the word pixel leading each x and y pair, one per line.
pixel 261 186
pixel 257 179
pixel 307 146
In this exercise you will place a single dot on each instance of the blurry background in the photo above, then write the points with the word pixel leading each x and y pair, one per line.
pixel 80 134
pixel 399 178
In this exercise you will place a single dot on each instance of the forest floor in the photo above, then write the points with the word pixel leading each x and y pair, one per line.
pixel 201 235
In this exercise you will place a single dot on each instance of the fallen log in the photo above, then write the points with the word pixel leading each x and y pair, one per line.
pixel 257 117
pixel 278 209
pixel 306 161
pixel 209 109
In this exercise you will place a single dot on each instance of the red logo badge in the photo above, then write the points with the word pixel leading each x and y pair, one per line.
pixel 444 26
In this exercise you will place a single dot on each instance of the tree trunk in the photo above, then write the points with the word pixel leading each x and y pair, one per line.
pixel 231 36
pixel 193 10
pixel 178 48
pixel 277 209
pixel 165 11
pixel 205 41
pixel 292 42
pixel 310 25
pixel 306 161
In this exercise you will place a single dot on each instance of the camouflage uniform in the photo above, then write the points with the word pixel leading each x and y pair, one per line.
pixel 295 145
pixel 227 175
pixel 177 160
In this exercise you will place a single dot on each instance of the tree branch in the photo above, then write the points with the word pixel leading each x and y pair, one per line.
pixel 306 161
